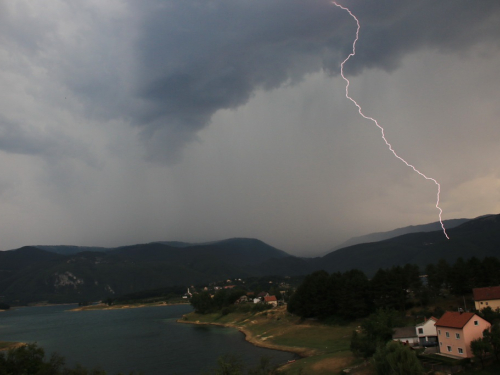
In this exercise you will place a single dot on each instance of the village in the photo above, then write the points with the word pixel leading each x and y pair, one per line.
pixel 450 340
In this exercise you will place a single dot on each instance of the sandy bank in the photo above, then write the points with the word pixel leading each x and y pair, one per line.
pixel 251 338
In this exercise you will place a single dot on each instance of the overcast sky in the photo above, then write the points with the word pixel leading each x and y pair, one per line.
pixel 126 121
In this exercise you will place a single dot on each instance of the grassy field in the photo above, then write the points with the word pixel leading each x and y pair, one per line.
pixel 324 348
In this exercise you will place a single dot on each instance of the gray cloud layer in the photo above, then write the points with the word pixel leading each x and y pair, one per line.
pixel 197 59
pixel 110 84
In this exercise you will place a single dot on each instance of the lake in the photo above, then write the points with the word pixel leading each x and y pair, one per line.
pixel 146 339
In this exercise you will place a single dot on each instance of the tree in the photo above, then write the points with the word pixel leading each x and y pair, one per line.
pixel 353 295
pixel 394 358
pixel 30 359
pixel 202 302
pixel 310 298
pixel 480 347
pixel 489 271
pixel 459 278
pixel 264 368
pixel 390 288
pixel 492 336
pixel 443 272
pixel 490 315
pixel 229 364
pixel 377 330
pixel 434 279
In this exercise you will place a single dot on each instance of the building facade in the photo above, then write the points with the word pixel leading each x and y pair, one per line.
pixel 484 297
pixel 456 330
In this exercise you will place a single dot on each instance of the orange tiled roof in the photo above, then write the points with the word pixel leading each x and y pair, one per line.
pixel 491 292
pixel 270 298
pixel 454 319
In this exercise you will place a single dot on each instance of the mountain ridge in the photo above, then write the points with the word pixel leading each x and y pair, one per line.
pixel 31 274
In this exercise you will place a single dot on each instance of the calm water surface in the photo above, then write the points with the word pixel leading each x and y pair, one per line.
pixel 145 339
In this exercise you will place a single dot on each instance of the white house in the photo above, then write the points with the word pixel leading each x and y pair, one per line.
pixel 427 332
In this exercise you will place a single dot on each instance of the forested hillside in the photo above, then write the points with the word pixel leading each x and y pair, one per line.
pixel 64 274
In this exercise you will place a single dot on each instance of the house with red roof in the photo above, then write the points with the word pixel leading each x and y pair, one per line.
pixel 484 297
pixel 456 330
pixel 271 300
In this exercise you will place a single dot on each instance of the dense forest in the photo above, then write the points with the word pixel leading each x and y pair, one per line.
pixel 351 295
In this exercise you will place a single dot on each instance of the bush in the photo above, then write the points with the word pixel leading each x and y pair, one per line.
pixel 30 359
pixel 377 329
pixel 396 359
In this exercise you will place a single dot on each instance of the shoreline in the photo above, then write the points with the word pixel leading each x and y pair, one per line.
pixel 249 336
pixel 101 306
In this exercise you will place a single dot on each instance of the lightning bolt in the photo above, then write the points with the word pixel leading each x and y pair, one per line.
pixel 376 122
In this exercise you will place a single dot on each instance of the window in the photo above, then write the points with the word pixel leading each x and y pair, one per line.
pixel 457 335
pixel 447 334
pixel 439 332
pixel 476 323
pixel 420 330
pixel 460 351
pixel 481 303
pixel 486 303
pixel 449 348
pixel 440 344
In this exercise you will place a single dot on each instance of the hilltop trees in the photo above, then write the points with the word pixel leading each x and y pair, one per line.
pixel 391 287
pixel 310 298
pixel 345 295
pixel 462 276
pixel 350 295
pixel 203 302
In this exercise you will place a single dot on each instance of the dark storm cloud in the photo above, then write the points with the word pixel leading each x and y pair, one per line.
pixel 167 66
pixel 18 139
pixel 198 57
pixel 391 29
